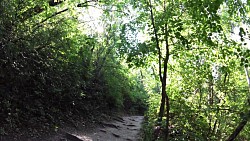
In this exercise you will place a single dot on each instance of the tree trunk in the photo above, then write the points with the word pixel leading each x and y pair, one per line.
pixel 167 120
pixel 163 97
pixel 237 130
pixel 164 93
pixel 162 107
pixel 163 77
pixel 165 74
pixel 244 120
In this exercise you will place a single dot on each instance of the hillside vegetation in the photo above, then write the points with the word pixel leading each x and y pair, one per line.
pixel 183 64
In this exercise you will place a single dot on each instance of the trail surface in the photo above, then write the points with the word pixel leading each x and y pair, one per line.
pixel 121 129
pixel 125 128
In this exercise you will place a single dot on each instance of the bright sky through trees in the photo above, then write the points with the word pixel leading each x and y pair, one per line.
pixel 91 19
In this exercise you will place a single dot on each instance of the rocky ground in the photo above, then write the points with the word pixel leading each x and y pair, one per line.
pixel 126 128
pixel 122 129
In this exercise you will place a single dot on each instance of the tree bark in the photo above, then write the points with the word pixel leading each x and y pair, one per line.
pixel 165 81
pixel 163 98
pixel 163 77
pixel 165 74
pixel 237 130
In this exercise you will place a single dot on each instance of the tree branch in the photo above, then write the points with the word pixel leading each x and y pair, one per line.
pixel 36 10
pixel 55 14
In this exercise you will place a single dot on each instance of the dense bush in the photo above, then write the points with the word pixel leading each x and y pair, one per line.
pixel 50 73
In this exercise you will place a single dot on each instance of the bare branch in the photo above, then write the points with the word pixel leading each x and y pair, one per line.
pixel 55 14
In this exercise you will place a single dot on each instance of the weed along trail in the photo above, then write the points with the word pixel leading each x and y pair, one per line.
pixel 120 129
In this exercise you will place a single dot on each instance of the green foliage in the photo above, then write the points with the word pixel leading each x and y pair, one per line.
pixel 39 77
pixel 52 71
pixel 54 66
pixel 206 79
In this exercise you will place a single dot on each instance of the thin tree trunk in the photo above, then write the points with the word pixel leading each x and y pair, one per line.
pixel 163 77
pixel 165 74
pixel 168 117
pixel 237 130
pixel 244 121
pixel 163 96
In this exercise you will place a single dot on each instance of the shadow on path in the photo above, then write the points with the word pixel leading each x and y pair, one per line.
pixel 121 129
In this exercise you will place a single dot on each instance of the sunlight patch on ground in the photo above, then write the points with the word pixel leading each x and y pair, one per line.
pixel 85 138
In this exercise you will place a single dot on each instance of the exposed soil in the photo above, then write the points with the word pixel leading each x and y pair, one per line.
pixel 122 129
pixel 125 128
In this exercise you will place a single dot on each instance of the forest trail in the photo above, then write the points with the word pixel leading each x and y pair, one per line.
pixel 120 129
pixel 126 128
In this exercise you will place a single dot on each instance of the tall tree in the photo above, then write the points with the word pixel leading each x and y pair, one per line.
pixel 180 27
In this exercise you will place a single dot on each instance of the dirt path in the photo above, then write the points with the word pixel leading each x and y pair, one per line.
pixel 118 129
pixel 121 129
